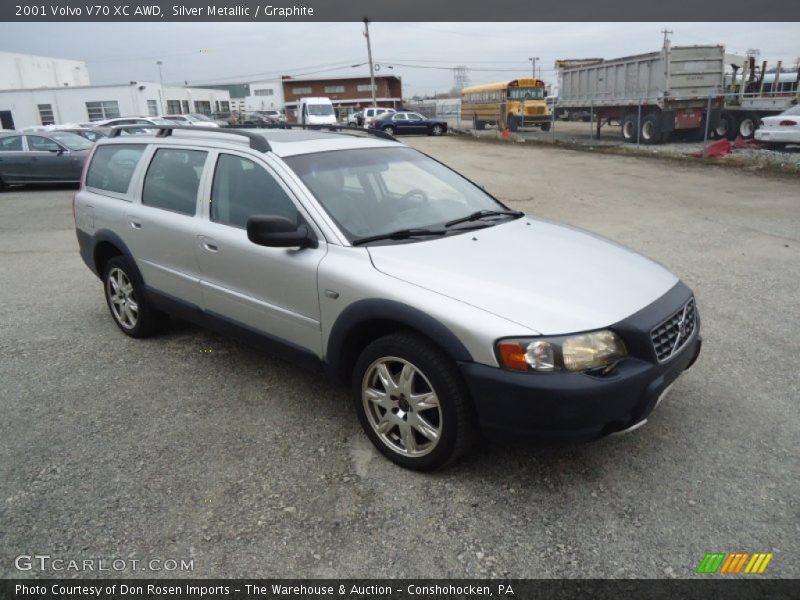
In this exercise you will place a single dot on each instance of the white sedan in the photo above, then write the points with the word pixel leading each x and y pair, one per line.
pixel 781 129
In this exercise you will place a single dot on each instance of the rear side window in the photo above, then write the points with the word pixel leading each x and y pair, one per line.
pixel 242 189
pixel 11 144
pixel 113 166
pixel 173 178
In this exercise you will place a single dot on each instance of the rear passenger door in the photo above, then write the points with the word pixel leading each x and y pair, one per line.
pixel 13 159
pixel 162 223
pixel 271 290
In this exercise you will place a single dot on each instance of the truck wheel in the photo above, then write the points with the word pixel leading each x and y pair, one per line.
pixel 412 402
pixel 546 126
pixel 513 123
pixel 748 125
pixel 630 125
pixel 651 129
pixel 726 127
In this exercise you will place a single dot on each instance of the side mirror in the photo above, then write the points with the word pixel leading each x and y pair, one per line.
pixel 58 151
pixel 279 232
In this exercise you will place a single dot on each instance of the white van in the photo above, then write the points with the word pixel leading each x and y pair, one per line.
pixel 316 111
pixel 363 117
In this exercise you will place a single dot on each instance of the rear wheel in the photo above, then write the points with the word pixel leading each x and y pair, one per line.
pixel 651 129
pixel 126 300
pixel 726 127
pixel 412 402
pixel 748 125
pixel 388 129
pixel 630 126
pixel 546 126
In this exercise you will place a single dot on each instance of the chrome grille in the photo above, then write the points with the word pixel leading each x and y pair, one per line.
pixel 671 335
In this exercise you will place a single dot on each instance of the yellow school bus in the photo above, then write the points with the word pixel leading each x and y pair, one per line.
pixel 513 104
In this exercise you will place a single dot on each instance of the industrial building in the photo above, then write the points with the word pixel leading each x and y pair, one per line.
pixel 348 94
pixel 37 90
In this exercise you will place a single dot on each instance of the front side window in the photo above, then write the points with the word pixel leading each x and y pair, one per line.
pixel 113 166
pixel 40 144
pixel 12 143
pixel 375 191
pixel 242 189
pixel 173 178
pixel 414 117
pixel 71 140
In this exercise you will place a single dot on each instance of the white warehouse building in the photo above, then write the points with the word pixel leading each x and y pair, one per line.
pixel 22 108
pixel 21 71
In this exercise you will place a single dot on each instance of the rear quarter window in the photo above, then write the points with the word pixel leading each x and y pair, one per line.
pixel 112 167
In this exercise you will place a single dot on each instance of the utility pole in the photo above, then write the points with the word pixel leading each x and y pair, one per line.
pixel 666 33
pixel 161 88
pixel 533 60
pixel 371 65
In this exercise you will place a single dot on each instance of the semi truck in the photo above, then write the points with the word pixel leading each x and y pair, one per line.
pixel 691 90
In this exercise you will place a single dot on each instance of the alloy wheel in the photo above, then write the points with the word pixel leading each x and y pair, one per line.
pixel 122 298
pixel 401 406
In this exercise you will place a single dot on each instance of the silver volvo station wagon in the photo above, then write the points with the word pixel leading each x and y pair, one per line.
pixel 448 313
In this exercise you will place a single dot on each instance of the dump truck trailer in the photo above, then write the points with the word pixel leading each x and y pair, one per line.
pixel 653 95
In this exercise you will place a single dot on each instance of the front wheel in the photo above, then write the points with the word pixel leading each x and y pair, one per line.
pixel 126 300
pixel 546 126
pixel 437 130
pixel 748 125
pixel 412 402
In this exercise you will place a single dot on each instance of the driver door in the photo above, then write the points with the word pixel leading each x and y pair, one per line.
pixel 48 160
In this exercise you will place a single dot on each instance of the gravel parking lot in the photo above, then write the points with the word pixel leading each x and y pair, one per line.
pixel 190 446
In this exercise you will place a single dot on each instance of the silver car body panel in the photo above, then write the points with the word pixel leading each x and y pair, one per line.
pixel 549 278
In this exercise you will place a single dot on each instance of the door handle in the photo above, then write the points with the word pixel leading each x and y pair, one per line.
pixel 135 224
pixel 211 247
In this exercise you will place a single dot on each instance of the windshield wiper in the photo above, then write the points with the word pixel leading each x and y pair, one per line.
pixel 400 234
pixel 484 213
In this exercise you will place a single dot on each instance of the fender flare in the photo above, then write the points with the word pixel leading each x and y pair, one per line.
pixel 374 309
pixel 106 235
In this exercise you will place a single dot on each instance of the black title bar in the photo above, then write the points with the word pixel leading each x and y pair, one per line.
pixel 405 11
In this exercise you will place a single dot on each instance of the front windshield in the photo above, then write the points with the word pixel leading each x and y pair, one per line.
pixel 525 93
pixel 375 191
pixel 72 140
pixel 795 110
pixel 319 110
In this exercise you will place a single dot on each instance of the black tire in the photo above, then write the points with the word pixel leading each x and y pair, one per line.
pixel 629 128
pixel 454 415
pixel 748 123
pixel 436 129
pixel 727 127
pixel 477 123
pixel 776 145
pixel 513 123
pixel 148 320
pixel 651 129
pixel 546 126
pixel 2 185
pixel 388 129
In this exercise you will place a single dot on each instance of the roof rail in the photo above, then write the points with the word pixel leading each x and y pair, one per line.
pixel 343 129
pixel 257 141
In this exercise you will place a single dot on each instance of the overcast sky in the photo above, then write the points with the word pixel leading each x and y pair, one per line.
pixel 423 54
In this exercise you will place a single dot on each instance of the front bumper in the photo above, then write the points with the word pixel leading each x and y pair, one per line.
pixel 580 406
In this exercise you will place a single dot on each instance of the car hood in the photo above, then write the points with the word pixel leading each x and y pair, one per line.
pixel 547 277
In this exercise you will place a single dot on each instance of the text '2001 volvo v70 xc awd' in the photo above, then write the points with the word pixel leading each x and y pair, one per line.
pixel 447 312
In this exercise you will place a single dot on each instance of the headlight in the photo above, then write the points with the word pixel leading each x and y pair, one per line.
pixel 568 353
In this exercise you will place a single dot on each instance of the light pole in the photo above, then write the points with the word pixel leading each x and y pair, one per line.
pixel 371 66
pixel 533 60
pixel 161 87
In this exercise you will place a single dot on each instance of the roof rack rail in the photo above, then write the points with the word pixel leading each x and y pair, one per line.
pixel 257 141
pixel 343 129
